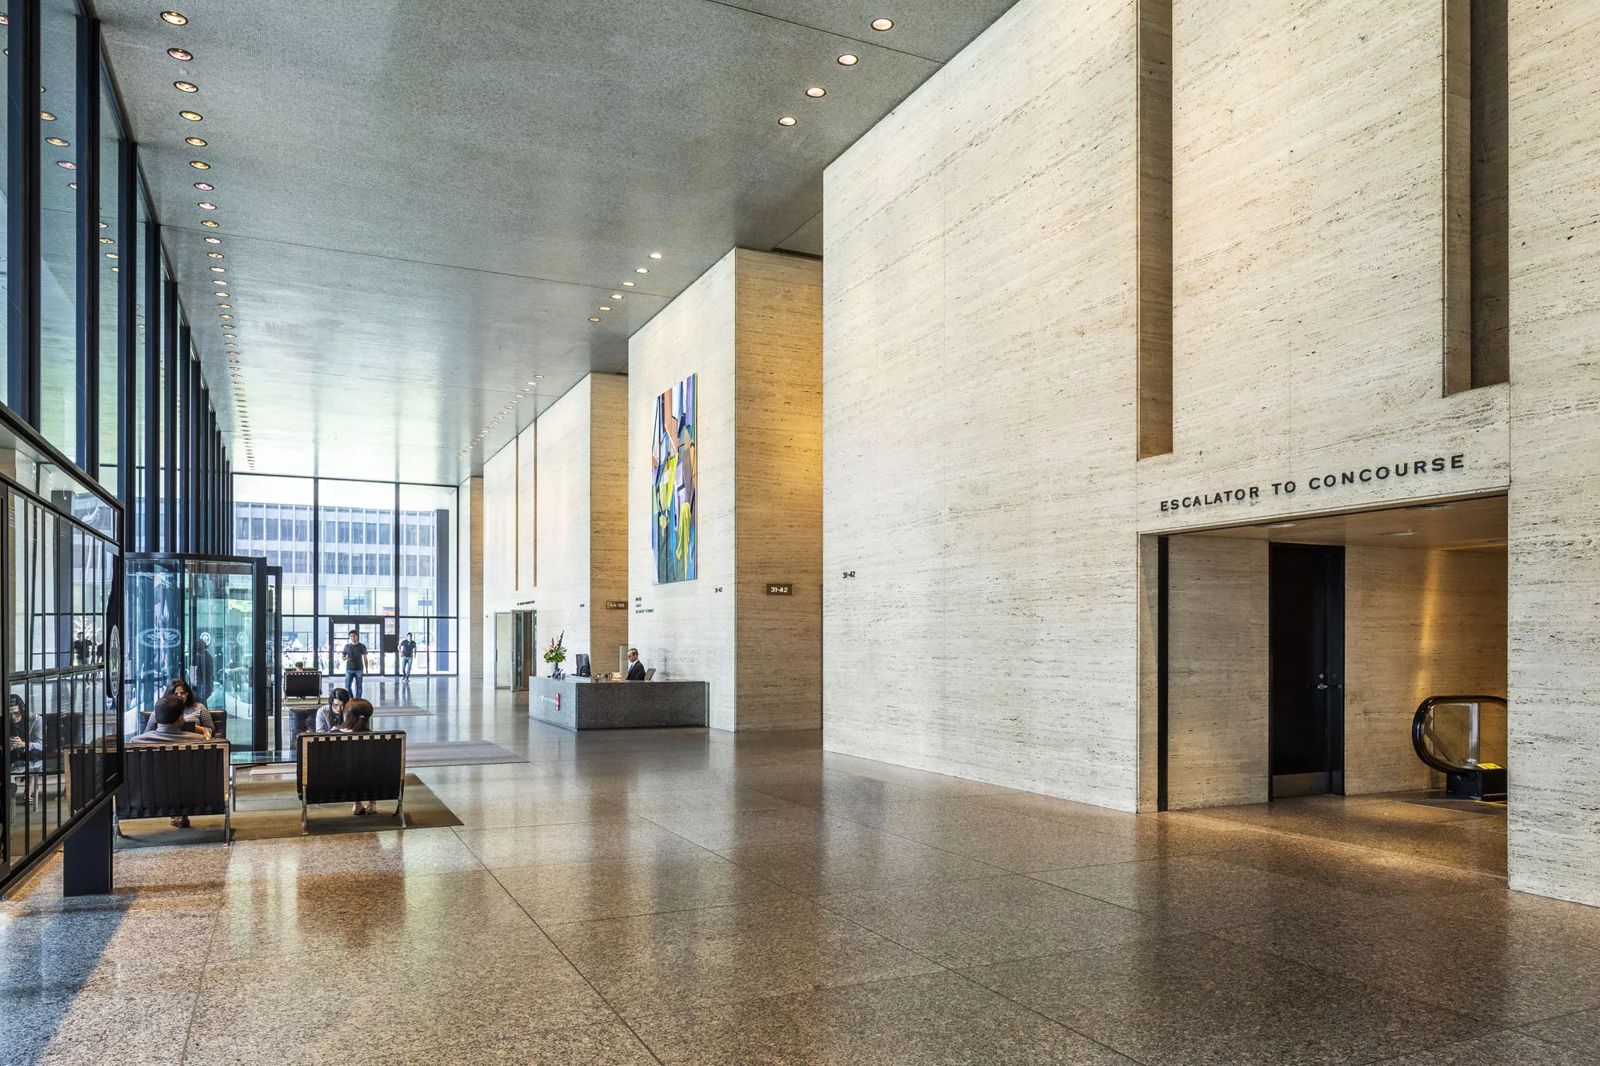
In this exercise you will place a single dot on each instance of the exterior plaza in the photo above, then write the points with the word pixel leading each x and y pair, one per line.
pixel 801 531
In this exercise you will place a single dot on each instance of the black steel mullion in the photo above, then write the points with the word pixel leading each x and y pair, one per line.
pixel 169 403
pixel 127 342
pixel 394 550
pixel 153 321
pixel 88 77
pixel 23 207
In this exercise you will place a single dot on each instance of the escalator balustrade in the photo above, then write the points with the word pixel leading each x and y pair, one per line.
pixel 1460 736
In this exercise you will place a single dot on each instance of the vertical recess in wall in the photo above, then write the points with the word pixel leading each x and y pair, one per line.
pixel 1155 227
pixel 1476 179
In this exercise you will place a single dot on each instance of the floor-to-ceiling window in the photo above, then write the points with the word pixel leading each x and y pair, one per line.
pixel 367 555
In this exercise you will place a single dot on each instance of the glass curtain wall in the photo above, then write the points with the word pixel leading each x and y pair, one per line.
pixel 110 265
pixel 379 558
pixel 58 229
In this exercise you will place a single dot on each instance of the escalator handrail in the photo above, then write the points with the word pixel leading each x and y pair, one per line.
pixel 1419 726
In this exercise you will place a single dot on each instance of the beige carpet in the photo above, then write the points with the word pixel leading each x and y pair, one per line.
pixel 268 809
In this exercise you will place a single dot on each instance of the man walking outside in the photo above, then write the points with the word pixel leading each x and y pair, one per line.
pixel 355 663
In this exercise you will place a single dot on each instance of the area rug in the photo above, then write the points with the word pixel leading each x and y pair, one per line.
pixel 409 711
pixel 269 809
pixel 458 753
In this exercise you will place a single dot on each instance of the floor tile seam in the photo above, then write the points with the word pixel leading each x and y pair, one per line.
pixel 882 888
pixel 1522 1026
pixel 920 843
pixel 565 923
pixel 1364 850
pixel 1367 983
pixel 965 976
pixel 1497 1031
pixel 583 976
pixel 199 985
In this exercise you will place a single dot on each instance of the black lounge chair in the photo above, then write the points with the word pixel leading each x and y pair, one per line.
pixel 350 768
pixel 176 781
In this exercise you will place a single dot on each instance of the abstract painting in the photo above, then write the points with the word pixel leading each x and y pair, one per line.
pixel 675 483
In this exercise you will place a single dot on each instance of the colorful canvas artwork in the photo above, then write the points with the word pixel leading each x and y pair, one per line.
pixel 675 481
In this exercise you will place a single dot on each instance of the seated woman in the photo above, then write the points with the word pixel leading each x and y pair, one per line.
pixel 358 719
pixel 24 748
pixel 195 713
pixel 330 716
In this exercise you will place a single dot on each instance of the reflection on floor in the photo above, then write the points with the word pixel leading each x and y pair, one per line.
pixel 692 897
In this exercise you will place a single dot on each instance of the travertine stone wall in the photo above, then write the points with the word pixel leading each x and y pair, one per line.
pixel 608 517
pixel 981 347
pixel 1555 523
pixel 1217 656
pixel 469 573
pixel 556 545
pixel 1417 624
pixel 751 329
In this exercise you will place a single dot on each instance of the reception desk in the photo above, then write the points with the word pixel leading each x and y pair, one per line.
pixel 581 703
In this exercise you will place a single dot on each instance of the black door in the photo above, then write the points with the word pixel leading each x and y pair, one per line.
pixel 1306 697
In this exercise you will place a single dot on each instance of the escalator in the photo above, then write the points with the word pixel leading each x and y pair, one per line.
pixel 1463 737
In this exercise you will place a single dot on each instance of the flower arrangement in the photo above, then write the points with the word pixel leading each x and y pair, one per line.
pixel 556 654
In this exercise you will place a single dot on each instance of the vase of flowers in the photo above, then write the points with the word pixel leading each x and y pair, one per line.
pixel 556 654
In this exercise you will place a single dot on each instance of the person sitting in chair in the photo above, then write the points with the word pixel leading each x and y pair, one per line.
pixel 195 713
pixel 358 719
pixel 25 751
pixel 635 667
pixel 168 727
pixel 330 716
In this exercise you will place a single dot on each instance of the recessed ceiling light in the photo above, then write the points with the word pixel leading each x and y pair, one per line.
pixel 213 255
pixel 655 255
pixel 210 223
pixel 206 205
pixel 112 255
pixel 616 296
pixel 198 142
pixel 627 285
pixel 174 18
pixel 219 270
pixel 218 281
pixel 186 86
pixel 59 142
pixel 199 164
pixel 183 55
pixel 46 116
pixel 66 164
pixel 213 240
pixel 228 336
pixel 192 116
pixel 226 307
pixel 107 240
pixel 605 307
pixel 115 269
pixel 593 319
pixel 849 59
pixel 816 92
pixel 205 186
pixel 787 120
pixel 641 270
pixel 882 24
pixel 221 295
pixel 225 318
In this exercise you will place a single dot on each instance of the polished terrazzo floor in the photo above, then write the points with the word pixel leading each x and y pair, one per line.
pixel 695 897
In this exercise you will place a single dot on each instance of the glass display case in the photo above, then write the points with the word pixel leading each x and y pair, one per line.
pixel 60 629
pixel 206 619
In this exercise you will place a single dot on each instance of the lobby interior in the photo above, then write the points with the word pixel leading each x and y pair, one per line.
pixel 1096 496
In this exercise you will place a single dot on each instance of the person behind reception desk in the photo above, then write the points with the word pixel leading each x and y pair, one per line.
pixel 635 667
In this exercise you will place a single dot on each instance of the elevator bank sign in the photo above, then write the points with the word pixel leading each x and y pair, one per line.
pixel 1330 481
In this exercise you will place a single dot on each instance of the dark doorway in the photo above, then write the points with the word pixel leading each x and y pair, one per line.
pixel 1306 687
